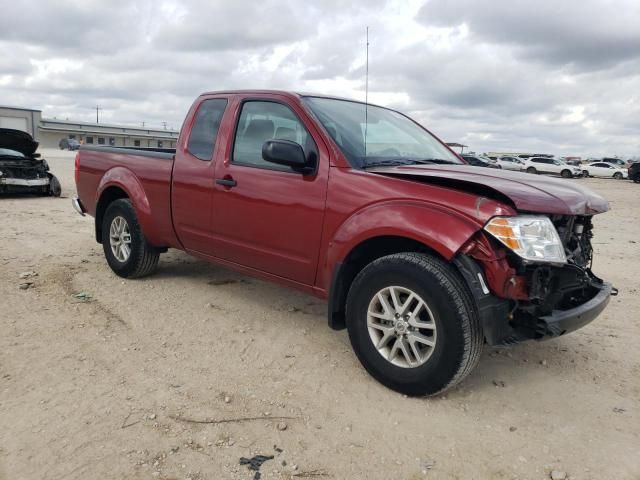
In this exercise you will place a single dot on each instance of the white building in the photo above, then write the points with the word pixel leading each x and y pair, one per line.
pixel 49 132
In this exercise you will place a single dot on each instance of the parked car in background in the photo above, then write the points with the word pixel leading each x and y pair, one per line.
pixel 551 166
pixel 511 163
pixel 573 161
pixel 605 170
pixel 634 172
pixel 21 168
pixel 613 161
pixel 69 144
pixel 478 161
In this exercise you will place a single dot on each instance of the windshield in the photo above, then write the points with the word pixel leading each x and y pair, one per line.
pixel 7 152
pixel 377 136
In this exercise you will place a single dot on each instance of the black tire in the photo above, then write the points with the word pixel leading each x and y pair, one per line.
pixel 531 170
pixel 585 173
pixel 55 189
pixel 617 176
pixel 459 335
pixel 143 258
pixel 566 174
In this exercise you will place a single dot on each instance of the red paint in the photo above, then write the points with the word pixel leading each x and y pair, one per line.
pixel 502 280
pixel 294 228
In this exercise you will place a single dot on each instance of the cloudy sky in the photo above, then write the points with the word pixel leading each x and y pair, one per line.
pixel 558 76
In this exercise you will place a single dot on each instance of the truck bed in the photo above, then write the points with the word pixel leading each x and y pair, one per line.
pixel 102 167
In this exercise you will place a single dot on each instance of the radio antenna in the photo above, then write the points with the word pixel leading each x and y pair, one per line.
pixel 366 97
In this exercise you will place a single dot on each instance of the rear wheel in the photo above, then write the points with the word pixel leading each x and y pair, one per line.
pixel 127 251
pixel 412 323
pixel 531 170
pixel 566 174
pixel 617 176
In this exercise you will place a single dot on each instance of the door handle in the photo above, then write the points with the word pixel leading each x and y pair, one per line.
pixel 227 182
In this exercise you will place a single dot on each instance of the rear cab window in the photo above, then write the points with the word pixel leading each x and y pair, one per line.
pixel 204 131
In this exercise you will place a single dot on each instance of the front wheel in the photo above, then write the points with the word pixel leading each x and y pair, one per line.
pixel 531 170
pixel 566 174
pixel 412 323
pixel 55 189
pixel 126 249
pixel 617 176
pixel 585 173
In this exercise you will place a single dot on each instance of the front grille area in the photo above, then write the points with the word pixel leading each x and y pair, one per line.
pixel 576 232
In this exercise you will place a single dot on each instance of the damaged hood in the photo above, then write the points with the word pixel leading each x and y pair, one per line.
pixel 527 192
pixel 18 140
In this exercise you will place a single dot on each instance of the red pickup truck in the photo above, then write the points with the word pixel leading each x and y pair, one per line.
pixel 422 257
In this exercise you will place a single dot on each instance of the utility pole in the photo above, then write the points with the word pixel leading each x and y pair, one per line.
pixel 98 108
pixel 143 124
pixel 164 124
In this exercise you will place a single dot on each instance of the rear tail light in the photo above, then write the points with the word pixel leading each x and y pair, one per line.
pixel 76 169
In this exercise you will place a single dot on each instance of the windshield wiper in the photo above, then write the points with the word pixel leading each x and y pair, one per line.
pixel 439 161
pixel 398 161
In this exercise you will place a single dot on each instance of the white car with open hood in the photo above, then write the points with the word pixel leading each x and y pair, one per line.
pixel 21 168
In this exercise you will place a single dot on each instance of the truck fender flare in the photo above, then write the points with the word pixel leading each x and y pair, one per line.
pixel 439 229
pixel 125 179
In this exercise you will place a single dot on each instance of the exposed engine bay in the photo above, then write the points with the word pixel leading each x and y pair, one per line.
pixel 21 169
pixel 563 288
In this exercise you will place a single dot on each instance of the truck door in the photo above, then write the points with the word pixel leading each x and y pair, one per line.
pixel 193 176
pixel 267 216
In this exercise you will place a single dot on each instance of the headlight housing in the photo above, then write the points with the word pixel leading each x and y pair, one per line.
pixel 533 238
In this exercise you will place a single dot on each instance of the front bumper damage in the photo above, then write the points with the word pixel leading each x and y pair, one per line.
pixel 27 176
pixel 36 182
pixel 12 185
pixel 559 322
pixel 510 321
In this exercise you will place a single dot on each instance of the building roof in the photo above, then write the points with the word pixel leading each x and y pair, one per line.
pixel 104 126
pixel 24 109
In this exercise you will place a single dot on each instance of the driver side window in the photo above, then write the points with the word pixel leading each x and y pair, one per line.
pixel 261 121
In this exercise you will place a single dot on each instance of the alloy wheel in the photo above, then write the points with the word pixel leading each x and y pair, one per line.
pixel 120 239
pixel 401 327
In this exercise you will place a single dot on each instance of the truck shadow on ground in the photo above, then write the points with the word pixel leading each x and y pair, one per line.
pixel 499 368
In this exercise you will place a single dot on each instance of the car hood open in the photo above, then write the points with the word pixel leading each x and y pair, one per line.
pixel 18 140
pixel 527 192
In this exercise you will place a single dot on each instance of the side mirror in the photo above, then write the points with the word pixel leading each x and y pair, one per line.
pixel 286 152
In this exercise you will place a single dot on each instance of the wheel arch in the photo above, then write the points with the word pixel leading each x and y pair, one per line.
pixel 117 183
pixel 384 229
pixel 107 197
pixel 360 256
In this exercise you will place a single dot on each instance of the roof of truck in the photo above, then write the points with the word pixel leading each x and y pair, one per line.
pixel 289 93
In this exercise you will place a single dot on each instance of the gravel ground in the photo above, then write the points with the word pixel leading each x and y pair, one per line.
pixel 179 375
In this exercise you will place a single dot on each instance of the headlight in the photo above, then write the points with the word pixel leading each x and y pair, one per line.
pixel 530 237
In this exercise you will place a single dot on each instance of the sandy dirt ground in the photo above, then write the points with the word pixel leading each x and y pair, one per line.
pixel 179 375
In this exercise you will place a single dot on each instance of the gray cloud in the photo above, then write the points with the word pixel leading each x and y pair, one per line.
pixel 512 75
pixel 64 25
pixel 583 33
